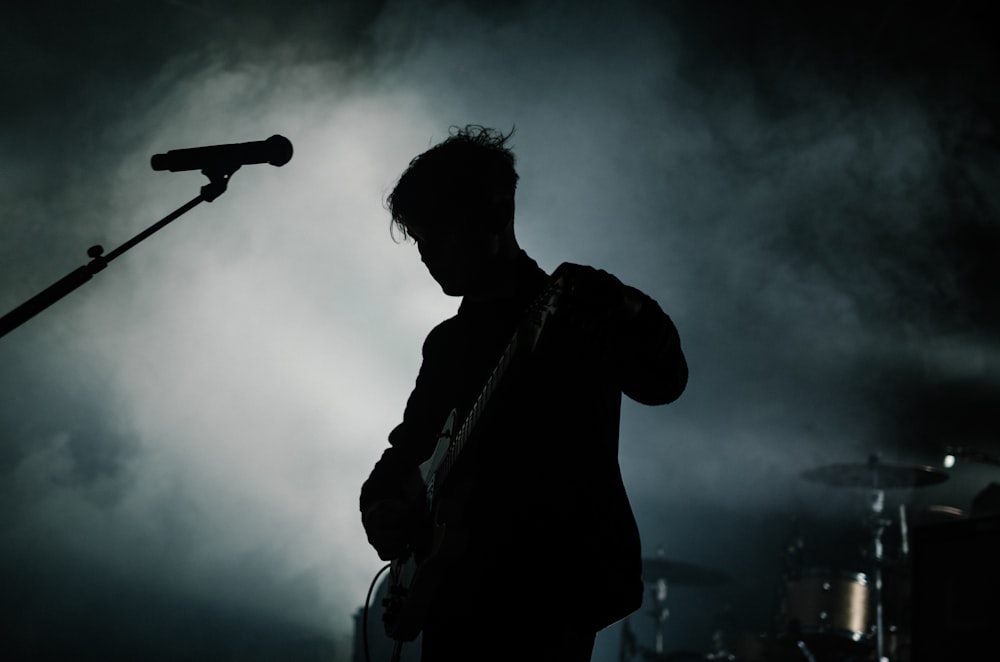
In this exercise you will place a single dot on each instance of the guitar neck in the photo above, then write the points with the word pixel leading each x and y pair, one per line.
pixel 526 336
pixel 461 436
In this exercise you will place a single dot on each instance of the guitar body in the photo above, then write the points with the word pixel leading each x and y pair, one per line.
pixel 414 582
pixel 415 578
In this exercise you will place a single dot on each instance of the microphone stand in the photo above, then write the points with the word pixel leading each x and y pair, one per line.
pixel 218 181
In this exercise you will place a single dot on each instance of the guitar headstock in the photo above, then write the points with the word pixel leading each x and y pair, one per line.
pixel 545 306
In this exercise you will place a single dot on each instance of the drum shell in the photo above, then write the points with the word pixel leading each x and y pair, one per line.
pixel 824 602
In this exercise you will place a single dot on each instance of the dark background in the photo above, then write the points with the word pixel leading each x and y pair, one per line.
pixel 808 191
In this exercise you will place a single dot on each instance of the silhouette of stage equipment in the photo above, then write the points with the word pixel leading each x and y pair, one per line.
pixel 954 454
pixel 678 573
pixel 661 573
pixel 218 163
pixel 956 581
pixel 833 615
pixel 876 475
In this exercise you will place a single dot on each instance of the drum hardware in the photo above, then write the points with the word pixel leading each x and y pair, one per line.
pixel 744 646
pixel 879 524
pixel 986 501
pixel 877 477
pixel 939 513
pixel 679 573
pixel 954 453
pixel 662 573
pixel 824 602
pixel 806 653
pixel 628 644
pixel 660 612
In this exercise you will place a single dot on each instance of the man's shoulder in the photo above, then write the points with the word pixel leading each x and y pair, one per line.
pixel 584 279
pixel 442 335
pixel 577 271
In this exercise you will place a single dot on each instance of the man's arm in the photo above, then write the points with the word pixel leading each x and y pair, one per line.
pixel 391 500
pixel 637 341
pixel 652 366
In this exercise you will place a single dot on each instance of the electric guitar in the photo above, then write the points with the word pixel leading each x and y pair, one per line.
pixel 414 577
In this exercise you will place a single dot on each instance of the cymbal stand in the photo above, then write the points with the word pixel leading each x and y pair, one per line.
pixel 793 570
pixel 627 646
pixel 878 524
pixel 720 647
pixel 660 612
pixel 806 653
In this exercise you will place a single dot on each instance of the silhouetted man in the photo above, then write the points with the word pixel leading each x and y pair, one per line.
pixel 548 549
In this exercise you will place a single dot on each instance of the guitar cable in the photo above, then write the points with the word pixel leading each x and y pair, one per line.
pixel 364 616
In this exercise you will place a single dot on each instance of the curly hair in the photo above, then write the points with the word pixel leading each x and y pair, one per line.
pixel 468 177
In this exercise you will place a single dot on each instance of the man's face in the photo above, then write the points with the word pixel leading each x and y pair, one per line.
pixel 458 255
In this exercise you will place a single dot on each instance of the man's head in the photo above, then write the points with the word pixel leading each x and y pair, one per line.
pixel 467 179
pixel 456 200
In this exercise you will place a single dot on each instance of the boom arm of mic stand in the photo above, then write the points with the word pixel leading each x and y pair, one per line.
pixel 71 281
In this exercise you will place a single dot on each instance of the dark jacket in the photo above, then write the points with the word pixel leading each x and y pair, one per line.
pixel 549 524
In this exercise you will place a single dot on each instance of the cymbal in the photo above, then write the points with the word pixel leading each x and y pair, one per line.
pixel 680 573
pixel 938 513
pixel 876 475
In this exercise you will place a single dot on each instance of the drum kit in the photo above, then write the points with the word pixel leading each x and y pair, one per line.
pixel 822 615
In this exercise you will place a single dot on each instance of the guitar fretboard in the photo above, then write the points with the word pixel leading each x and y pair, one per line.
pixel 538 313
pixel 475 413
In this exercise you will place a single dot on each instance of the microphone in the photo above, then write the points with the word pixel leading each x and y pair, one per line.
pixel 276 150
